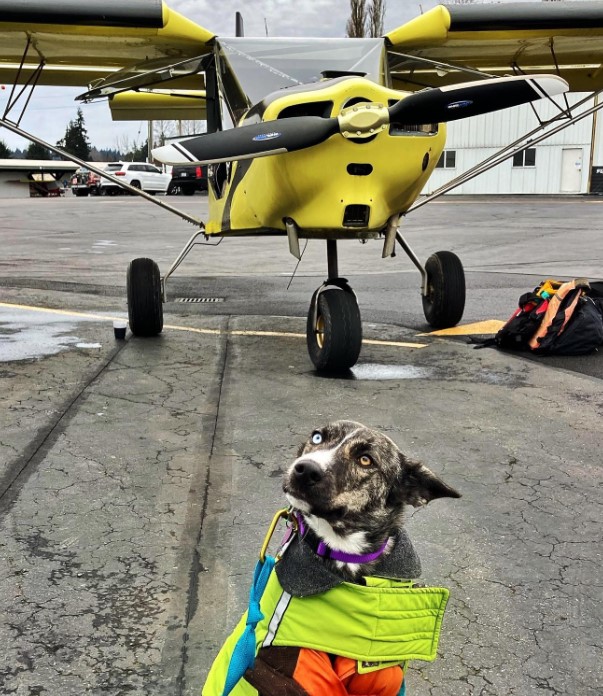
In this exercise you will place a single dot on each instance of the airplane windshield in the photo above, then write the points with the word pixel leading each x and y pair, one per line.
pixel 260 66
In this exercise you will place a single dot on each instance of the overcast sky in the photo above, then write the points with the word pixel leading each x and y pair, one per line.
pixel 52 108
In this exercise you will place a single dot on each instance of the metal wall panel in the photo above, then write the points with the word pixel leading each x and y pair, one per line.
pixel 474 139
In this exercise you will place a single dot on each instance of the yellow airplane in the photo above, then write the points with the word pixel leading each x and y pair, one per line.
pixel 316 138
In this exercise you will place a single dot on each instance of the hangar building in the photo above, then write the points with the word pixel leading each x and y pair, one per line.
pixel 22 178
pixel 570 162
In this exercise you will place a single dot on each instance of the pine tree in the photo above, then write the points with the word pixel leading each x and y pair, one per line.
pixel 76 141
pixel 5 151
pixel 35 151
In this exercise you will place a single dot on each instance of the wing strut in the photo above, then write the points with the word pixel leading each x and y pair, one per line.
pixel 31 82
pixel 101 172
pixel 519 145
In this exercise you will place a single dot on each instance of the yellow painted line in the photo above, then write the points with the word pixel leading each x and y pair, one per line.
pixel 397 344
pixel 64 312
pixel 491 326
pixel 210 332
pixel 282 334
pixel 190 329
pixel 289 334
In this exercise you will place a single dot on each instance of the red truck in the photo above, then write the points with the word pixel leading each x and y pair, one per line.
pixel 85 182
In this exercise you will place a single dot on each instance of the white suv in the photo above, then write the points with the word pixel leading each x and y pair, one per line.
pixel 138 174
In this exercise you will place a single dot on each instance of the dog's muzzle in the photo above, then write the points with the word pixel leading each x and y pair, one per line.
pixel 306 473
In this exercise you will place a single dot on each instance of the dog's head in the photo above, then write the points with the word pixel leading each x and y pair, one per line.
pixel 357 480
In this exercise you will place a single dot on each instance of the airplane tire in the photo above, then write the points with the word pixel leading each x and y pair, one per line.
pixel 444 303
pixel 145 308
pixel 335 338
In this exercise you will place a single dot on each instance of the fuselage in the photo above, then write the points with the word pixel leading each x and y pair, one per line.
pixel 343 187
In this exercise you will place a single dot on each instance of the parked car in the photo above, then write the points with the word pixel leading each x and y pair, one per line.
pixel 85 182
pixel 188 179
pixel 138 174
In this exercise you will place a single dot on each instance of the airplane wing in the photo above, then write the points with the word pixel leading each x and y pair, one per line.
pixel 83 41
pixel 450 42
pixel 158 105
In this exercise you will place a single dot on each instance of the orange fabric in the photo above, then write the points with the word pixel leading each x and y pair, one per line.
pixel 319 676
pixel 314 672
pixel 551 311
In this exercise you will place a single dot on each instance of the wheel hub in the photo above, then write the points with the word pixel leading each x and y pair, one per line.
pixel 319 330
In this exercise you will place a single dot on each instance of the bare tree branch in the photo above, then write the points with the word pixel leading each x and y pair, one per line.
pixel 376 16
pixel 356 25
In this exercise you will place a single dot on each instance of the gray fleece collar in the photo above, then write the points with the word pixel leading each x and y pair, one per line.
pixel 301 573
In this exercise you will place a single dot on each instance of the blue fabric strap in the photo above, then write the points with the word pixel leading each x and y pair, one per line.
pixel 243 655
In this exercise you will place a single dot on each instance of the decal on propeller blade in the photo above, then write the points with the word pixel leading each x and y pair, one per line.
pixel 266 136
pixel 460 104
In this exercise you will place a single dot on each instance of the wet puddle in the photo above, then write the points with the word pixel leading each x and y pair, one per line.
pixel 31 335
pixel 370 371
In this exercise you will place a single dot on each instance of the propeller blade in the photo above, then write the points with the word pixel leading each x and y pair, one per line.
pixel 454 102
pixel 247 142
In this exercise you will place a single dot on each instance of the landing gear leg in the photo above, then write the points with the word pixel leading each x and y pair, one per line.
pixel 334 328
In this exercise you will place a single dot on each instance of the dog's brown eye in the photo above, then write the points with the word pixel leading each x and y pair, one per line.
pixel 365 460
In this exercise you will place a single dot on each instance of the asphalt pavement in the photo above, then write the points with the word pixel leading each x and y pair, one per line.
pixel 137 477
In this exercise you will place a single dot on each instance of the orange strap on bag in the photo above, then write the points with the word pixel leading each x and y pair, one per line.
pixel 551 312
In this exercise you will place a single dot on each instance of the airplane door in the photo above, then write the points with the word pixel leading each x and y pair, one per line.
pixel 571 170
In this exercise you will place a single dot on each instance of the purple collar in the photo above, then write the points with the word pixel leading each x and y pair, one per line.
pixel 325 551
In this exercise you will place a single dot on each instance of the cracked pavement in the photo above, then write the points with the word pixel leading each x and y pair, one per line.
pixel 138 479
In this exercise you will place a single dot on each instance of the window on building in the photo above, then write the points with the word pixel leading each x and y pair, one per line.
pixel 447 160
pixel 527 158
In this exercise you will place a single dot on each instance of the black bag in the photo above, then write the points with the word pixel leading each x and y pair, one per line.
pixel 523 323
pixel 581 334
pixel 566 321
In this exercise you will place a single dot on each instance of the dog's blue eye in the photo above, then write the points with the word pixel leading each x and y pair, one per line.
pixel 316 438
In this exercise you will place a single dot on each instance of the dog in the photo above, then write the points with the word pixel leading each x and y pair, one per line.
pixel 351 484
pixel 347 488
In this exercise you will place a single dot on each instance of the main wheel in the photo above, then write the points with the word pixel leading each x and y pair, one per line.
pixel 145 308
pixel 445 300
pixel 335 336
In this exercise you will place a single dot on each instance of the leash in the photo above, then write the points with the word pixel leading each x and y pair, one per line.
pixel 243 656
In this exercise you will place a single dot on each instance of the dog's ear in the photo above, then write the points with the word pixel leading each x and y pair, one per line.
pixel 416 485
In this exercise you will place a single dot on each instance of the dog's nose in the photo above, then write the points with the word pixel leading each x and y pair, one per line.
pixel 307 472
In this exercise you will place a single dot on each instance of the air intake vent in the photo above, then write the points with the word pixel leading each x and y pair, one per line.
pixel 199 299
pixel 357 169
pixel 356 216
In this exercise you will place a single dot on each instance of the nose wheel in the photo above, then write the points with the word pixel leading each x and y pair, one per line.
pixel 334 328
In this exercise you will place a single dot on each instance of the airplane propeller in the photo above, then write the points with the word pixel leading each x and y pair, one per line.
pixel 362 120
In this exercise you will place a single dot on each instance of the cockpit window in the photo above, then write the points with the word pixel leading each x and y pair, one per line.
pixel 252 68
